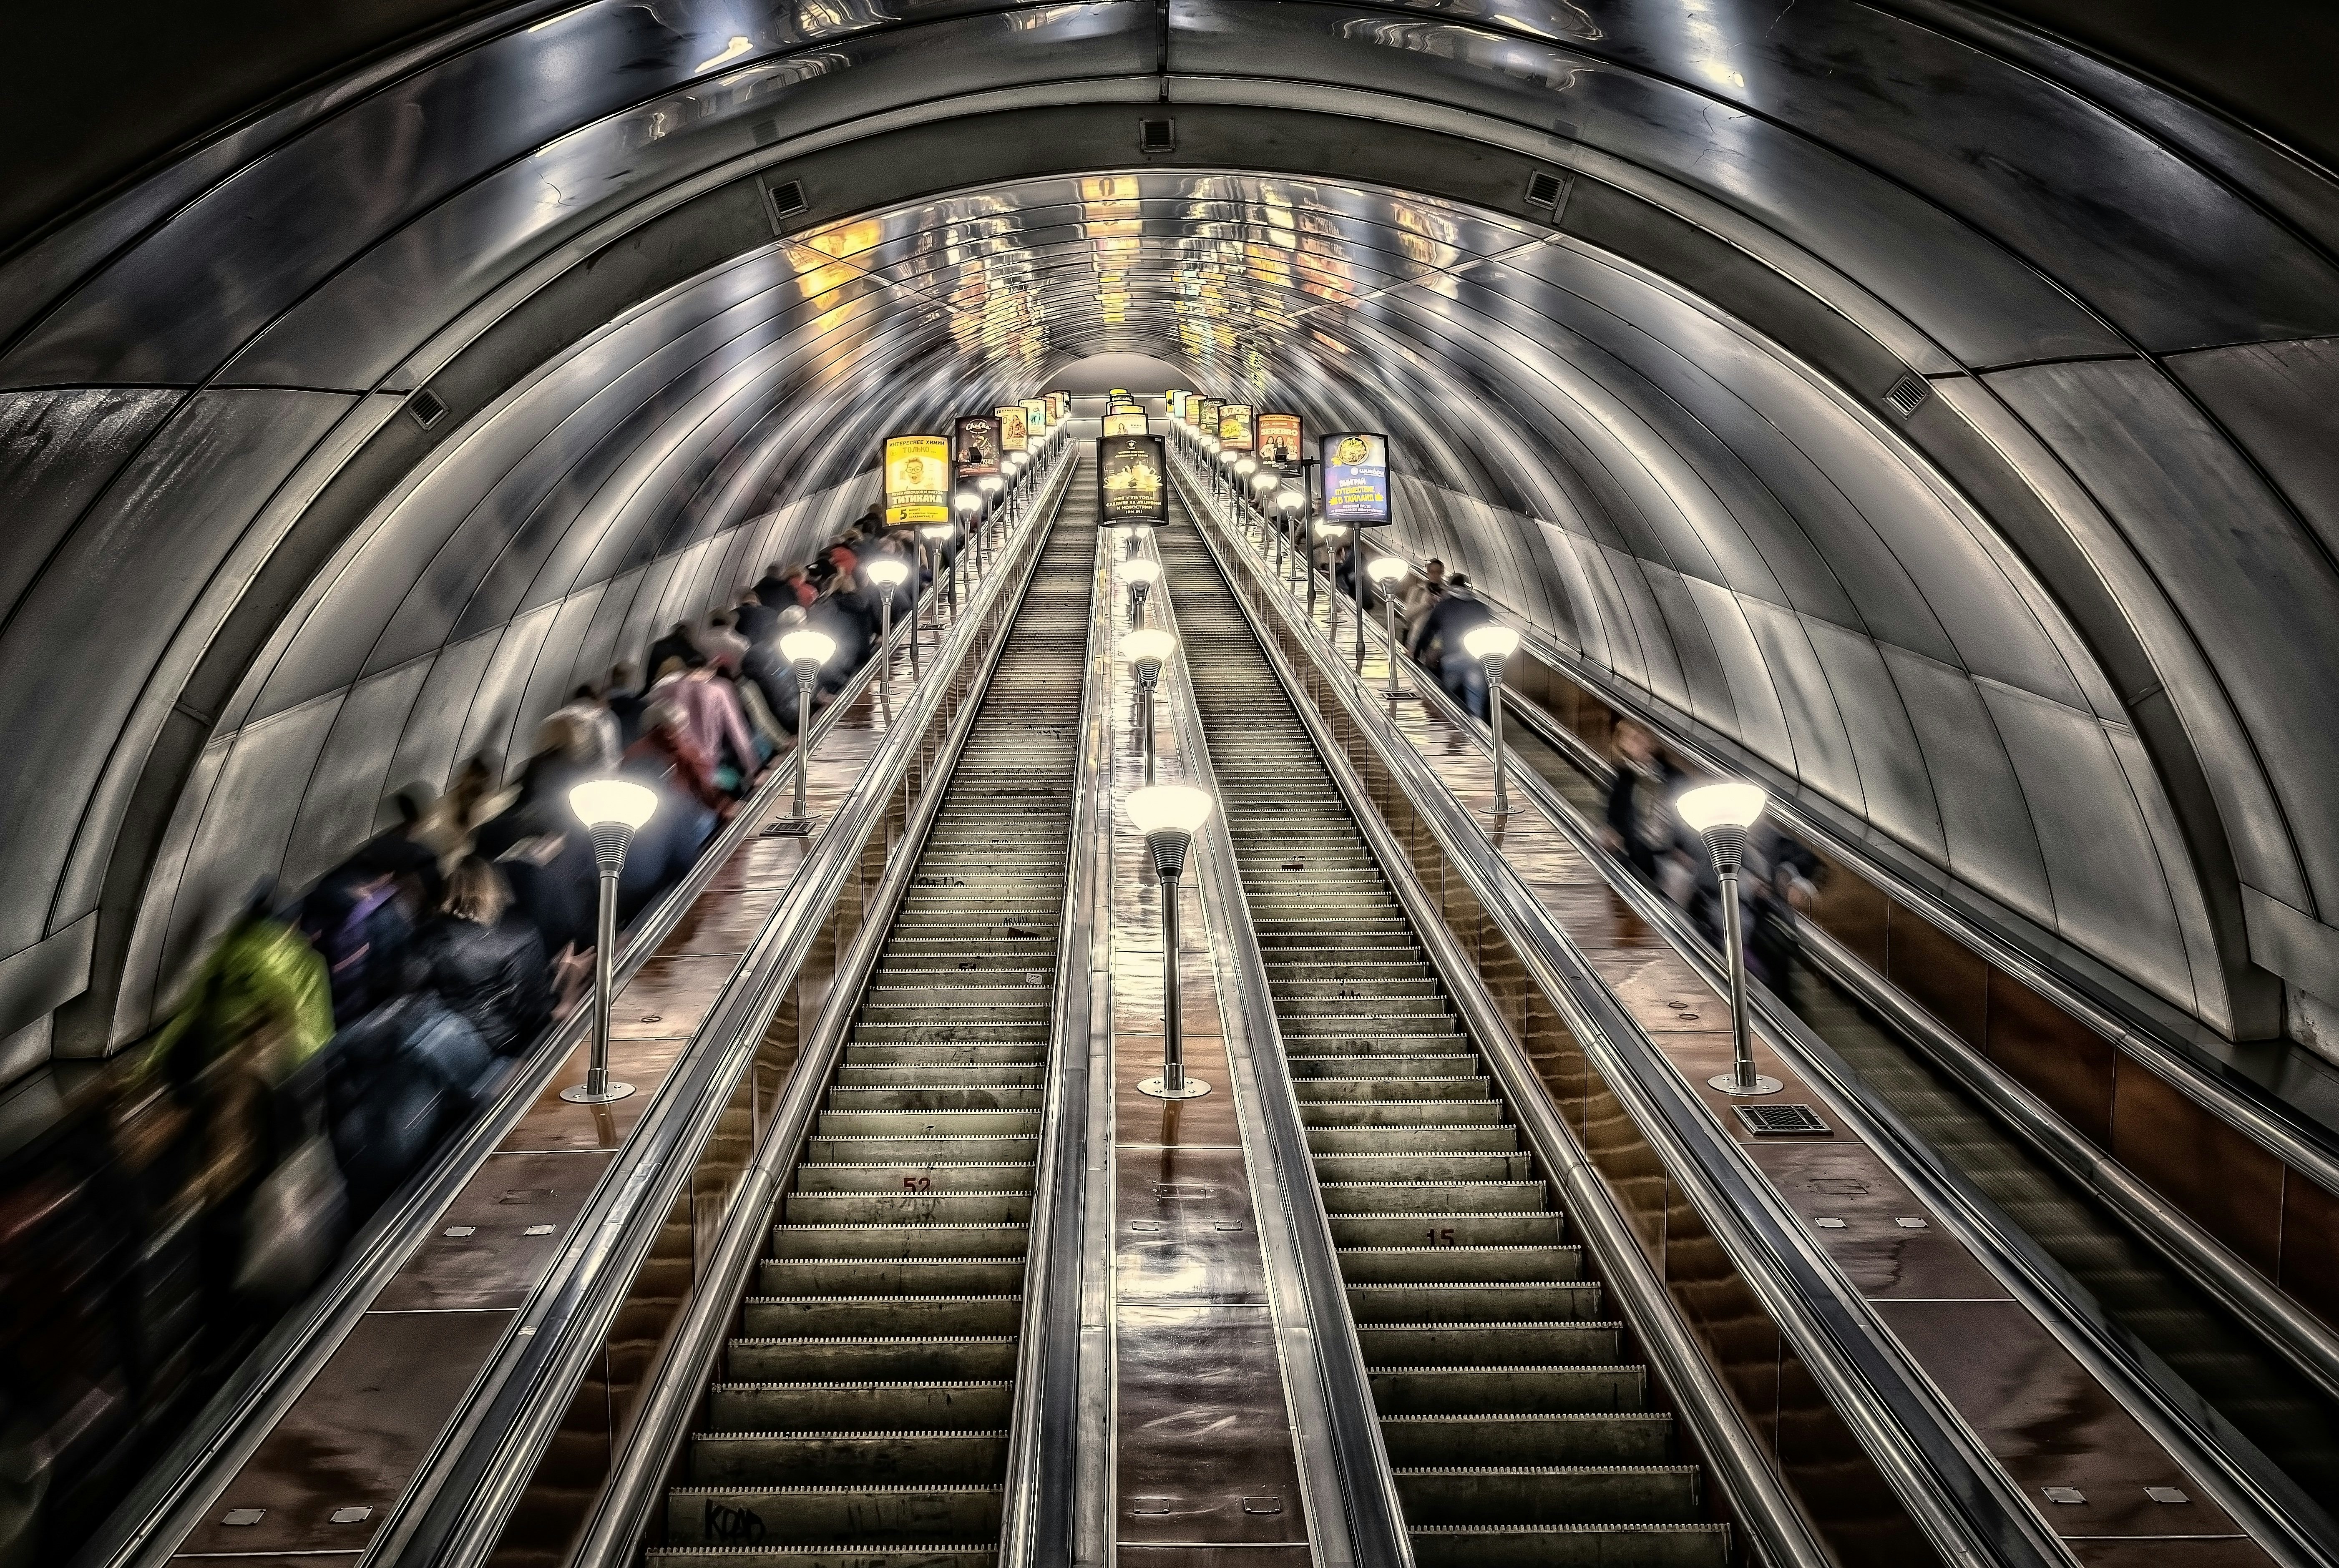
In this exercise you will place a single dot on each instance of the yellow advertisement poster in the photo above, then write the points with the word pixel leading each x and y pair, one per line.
pixel 917 479
pixel 1010 427
pixel 1234 427
pixel 1278 439
pixel 1126 420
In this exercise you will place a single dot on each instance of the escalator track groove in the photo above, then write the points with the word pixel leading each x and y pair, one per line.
pixel 1517 1429
pixel 860 1413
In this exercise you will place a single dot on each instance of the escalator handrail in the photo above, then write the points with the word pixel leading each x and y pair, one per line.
pixel 629 1494
pixel 144 1530
pixel 2289 1522
pixel 1345 1456
pixel 457 1506
pixel 1956 1493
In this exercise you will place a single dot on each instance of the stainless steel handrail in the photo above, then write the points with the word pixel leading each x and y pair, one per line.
pixel 1953 1488
pixel 180 1488
pixel 1355 1514
pixel 463 1494
pixel 629 1495
pixel 1760 1500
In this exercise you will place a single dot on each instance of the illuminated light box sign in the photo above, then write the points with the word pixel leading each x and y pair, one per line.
pixel 1278 439
pixel 917 479
pixel 976 440
pixel 1129 420
pixel 1130 480
pixel 1209 420
pixel 1356 479
pixel 1234 426
pixel 1014 435
pixel 1035 416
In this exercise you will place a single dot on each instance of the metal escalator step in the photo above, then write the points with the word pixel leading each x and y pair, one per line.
pixel 909 1208
pixel 1426 1390
pixel 1549 1494
pixel 974 1238
pixel 1499 1137
pixel 868 1404
pixel 1377 1066
pixel 776 1317
pixel 841 1359
pixel 1448 1195
pixel 1448 1232
pixel 926 1123
pixel 906 1555
pixel 1316 1091
pixel 1402 1113
pixel 1488 1344
pixel 1571 1545
pixel 722 1515
pixel 966 1052
pixel 1441 1165
pixel 932 1175
pixel 1461 1269
pixel 846 1458
pixel 967 1096
pixel 886 1275
pixel 850 1149
pixel 1607 1437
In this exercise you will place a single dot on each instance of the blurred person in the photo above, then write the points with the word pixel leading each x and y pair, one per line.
pixel 753 619
pixel 484 961
pixel 397 1083
pixel 1420 593
pixel 586 709
pixel 841 623
pixel 1640 821
pixel 719 725
pixel 773 590
pixel 622 693
pixel 474 799
pixel 670 755
pixel 722 645
pixel 1457 612
pixel 677 644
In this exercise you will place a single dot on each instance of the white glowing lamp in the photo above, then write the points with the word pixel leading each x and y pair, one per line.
pixel 1490 644
pixel 938 534
pixel 888 571
pixel 1141 573
pixel 1291 501
pixel 1245 465
pixel 1148 647
pixel 1720 806
pixel 1229 456
pixel 967 502
pixel 1177 809
pixel 991 484
pixel 1331 533
pixel 1264 480
pixel 612 803
pixel 1386 569
pixel 807 648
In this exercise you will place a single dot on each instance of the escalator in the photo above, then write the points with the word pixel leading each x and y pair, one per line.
pixel 1517 1427
pixel 860 1414
pixel 2233 1371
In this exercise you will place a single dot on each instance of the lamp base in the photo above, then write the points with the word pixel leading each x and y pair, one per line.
pixel 578 1094
pixel 1194 1090
pixel 789 826
pixel 1727 1083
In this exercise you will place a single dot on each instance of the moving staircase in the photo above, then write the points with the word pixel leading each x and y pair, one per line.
pixel 860 1414
pixel 1519 1431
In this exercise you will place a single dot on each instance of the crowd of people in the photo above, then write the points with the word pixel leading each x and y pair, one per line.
pixel 336 1035
pixel 1777 876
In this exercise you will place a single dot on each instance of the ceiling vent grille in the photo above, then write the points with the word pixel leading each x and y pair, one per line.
pixel 1772 1120
pixel 426 408
pixel 787 200
pixel 1908 394
pixel 1157 136
pixel 1544 188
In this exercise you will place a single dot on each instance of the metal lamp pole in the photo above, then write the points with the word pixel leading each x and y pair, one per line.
pixel 1327 535
pixel 968 504
pixel 888 574
pixel 1490 644
pixel 1386 571
pixel 1147 649
pixel 1723 812
pixel 1141 576
pixel 1168 815
pixel 807 651
pixel 611 809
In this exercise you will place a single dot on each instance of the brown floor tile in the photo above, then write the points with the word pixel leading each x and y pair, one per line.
pixel 2170 1552
pixel 1136 1554
pixel 723 924
pixel 1882 1256
pixel 2047 1421
pixel 552 1123
pixel 1183 1228
pixel 668 996
pixel 354 1437
pixel 1202 1426
pixel 1138 1118
pixel 1596 917
pixel 498 1263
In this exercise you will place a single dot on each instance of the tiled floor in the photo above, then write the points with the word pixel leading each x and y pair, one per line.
pixel 352 1439
pixel 2036 1410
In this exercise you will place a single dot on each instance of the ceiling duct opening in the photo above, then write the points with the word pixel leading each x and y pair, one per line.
pixel 1157 136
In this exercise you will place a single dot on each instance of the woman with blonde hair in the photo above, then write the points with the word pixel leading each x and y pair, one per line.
pixel 489 969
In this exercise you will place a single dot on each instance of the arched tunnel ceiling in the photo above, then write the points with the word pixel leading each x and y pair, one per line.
pixel 2059 643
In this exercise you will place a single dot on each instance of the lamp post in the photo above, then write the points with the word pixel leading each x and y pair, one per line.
pixel 1168 816
pixel 1387 571
pixel 1263 484
pixel 989 484
pixel 610 809
pixel 1138 533
pixel 1016 463
pixel 1291 504
pixel 968 504
pixel 1147 649
pixel 1141 576
pixel 1490 644
pixel 1239 483
pixel 1723 812
pixel 937 535
pixel 1227 458
pixel 1328 536
pixel 889 573
pixel 806 652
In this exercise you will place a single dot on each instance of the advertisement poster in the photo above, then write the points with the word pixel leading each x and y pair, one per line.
pixel 1059 407
pixel 976 440
pixel 1210 421
pixel 1126 420
pixel 1356 479
pixel 1234 427
pixel 1278 439
pixel 1130 480
pixel 1035 417
pixel 1010 427
pixel 917 479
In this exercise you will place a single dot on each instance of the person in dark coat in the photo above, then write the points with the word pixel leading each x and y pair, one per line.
pixel 1640 796
pixel 677 644
pixel 397 1083
pixel 1459 612
pixel 483 963
pixel 624 695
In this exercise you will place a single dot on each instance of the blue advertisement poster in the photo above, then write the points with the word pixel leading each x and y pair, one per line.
pixel 1356 479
